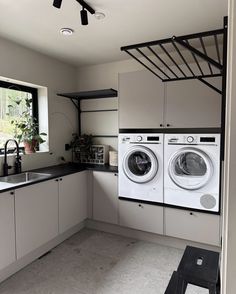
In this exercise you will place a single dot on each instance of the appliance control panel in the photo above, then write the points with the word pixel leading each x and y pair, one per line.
pixel 141 138
pixel 194 139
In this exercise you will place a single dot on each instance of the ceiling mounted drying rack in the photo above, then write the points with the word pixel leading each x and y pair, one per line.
pixel 180 58
pixel 167 58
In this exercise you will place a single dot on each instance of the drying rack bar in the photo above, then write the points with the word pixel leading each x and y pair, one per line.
pixel 192 78
pixel 198 53
pixel 168 40
pixel 167 60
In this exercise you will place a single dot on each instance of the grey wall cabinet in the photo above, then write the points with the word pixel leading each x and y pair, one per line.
pixel 146 102
pixel 7 229
pixel 191 104
pixel 141 100
pixel 105 197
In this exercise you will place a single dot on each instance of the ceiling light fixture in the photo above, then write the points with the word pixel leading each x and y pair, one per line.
pixel 99 15
pixel 83 13
pixel 84 17
pixel 66 31
pixel 57 3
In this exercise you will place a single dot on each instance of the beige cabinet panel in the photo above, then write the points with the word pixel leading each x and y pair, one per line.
pixel 105 197
pixel 7 230
pixel 144 217
pixel 141 100
pixel 72 200
pixel 194 226
pixel 36 209
pixel 191 104
pixel 100 123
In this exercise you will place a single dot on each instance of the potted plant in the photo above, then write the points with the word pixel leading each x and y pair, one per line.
pixel 81 146
pixel 26 126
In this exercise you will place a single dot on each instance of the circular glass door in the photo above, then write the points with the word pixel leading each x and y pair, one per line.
pixel 140 164
pixel 190 168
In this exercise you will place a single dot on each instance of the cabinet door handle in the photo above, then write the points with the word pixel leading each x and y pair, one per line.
pixel 12 193
pixel 191 213
pixel 61 179
pixel 116 175
pixel 56 180
pixel 168 125
pixel 161 125
pixel 140 205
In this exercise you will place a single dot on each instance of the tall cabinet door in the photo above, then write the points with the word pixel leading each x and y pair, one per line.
pixel 72 200
pixel 7 229
pixel 105 197
pixel 191 104
pixel 36 208
pixel 141 100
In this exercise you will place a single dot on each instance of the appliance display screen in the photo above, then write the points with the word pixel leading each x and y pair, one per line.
pixel 152 138
pixel 207 139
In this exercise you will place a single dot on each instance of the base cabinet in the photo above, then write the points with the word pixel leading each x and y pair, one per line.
pixel 7 229
pixel 72 200
pixel 105 197
pixel 141 216
pixel 36 213
pixel 194 226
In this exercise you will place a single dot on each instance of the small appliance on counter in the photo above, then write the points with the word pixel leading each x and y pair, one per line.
pixel 113 158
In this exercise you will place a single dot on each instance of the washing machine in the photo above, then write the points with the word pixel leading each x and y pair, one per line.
pixel 141 167
pixel 192 171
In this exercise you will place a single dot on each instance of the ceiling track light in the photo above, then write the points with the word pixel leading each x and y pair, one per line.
pixel 57 3
pixel 84 17
pixel 84 12
pixel 86 6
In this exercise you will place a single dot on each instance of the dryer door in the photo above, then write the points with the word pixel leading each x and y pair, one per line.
pixel 140 164
pixel 190 168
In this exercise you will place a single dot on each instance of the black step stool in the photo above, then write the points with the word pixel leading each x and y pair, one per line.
pixel 199 267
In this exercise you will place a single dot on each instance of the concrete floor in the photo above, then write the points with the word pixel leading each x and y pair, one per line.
pixel 93 262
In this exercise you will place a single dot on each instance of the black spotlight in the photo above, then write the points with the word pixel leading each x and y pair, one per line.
pixel 57 3
pixel 84 17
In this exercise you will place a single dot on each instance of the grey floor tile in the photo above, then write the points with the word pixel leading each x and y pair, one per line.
pixel 93 262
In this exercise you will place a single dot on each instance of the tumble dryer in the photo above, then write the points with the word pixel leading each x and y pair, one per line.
pixel 192 171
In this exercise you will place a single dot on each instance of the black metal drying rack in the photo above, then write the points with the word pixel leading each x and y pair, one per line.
pixel 168 59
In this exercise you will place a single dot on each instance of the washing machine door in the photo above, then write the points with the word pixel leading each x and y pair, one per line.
pixel 140 164
pixel 190 168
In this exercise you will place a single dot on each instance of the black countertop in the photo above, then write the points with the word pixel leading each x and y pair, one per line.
pixel 58 171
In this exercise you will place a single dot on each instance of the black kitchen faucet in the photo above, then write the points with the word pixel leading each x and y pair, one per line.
pixel 17 166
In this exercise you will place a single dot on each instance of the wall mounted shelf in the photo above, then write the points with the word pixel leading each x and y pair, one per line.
pixel 96 94
pixel 76 97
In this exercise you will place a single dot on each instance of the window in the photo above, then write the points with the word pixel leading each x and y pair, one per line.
pixel 10 92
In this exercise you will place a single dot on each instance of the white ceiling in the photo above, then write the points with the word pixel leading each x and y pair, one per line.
pixel 36 24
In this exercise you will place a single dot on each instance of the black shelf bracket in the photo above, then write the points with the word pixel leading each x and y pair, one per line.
pixel 210 85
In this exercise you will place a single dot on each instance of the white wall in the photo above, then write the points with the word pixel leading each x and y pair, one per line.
pixel 103 76
pixel 229 232
pixel 25 65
